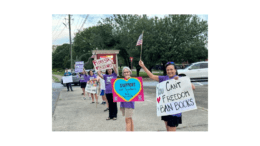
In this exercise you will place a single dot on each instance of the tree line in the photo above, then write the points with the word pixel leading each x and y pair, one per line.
pixel 175 38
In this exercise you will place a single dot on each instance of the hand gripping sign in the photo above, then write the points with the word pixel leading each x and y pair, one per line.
pixel 91 87
pixel 102 64
pixel 174 96
pixel 127 90
pixel 67 79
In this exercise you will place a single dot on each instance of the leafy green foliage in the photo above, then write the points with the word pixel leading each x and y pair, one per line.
pixel 175 38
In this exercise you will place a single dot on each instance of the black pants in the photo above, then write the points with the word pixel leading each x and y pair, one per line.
pixel 69 85
pixel 112 106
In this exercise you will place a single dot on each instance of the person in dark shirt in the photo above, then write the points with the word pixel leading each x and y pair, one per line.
pixel 68 84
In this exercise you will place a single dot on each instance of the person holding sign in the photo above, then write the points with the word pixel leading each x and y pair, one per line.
pixel 68 84
pixel 102 89
pixel 110 73
pixel 171 121
pixel 92 78
pixel 127 108
pixel 83 82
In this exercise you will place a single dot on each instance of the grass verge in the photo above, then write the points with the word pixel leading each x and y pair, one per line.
pixel 56 80
pixel 58 73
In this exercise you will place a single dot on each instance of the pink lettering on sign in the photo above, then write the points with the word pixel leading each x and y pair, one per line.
pixel 101 64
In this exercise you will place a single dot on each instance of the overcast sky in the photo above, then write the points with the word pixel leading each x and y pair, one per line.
pixel 60 33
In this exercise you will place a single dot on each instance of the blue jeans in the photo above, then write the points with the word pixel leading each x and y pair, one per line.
pixel 69 85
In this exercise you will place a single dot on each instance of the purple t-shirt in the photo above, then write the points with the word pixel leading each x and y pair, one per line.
pixel 130 104
pixel 164 78
pixel 91 77
pixel 107 79
pixel 85 78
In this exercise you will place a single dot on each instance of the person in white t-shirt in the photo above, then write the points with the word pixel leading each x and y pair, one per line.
pixel 102 90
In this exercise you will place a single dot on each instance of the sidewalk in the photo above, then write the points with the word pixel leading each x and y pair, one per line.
pixel 73 113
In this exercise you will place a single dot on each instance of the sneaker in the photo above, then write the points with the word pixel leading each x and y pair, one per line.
pixel 92 102
pixel 82 93
pixel 106 109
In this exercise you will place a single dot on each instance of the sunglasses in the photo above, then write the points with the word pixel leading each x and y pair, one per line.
pixel 169 63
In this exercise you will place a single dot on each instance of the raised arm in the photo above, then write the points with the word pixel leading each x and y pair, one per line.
pixel 115 70
pixel 100 75
pixel 192 86
pixel 95 79
pixel 152 76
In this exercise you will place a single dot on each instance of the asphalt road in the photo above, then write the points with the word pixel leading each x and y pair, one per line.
pixel 56 88
pixel 201 92
pixel 73 113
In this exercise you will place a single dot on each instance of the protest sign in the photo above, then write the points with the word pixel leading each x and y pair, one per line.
pixel 67 79
pixel 79 66
pixel 174 96
pixel 91 87
pixel 127 90
pixel 102 64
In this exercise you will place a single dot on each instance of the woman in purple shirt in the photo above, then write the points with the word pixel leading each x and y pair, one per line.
pixel 171 121
pixel 83 82
pixel 110 74
pixel 127 108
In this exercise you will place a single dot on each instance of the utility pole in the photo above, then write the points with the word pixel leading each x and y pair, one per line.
pixel 70 46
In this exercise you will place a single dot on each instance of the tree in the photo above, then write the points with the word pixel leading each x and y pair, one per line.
pixel 59 55
pixel 172 38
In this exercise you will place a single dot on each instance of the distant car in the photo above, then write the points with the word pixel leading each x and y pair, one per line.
pixel 197 70
pixel 75 79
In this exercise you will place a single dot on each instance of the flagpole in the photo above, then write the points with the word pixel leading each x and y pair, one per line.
pixel 142 44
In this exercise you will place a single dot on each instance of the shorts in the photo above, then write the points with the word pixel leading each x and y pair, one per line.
pixel 127 112
pixel 172 121
pixel 83 84
pixel 102 92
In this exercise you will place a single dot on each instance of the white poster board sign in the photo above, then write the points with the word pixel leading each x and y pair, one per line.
pixel 91 88
pixel 102 64
pixel 174 96
pixel 67 79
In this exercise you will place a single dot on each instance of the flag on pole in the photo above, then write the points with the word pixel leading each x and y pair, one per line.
pixel 93 56
pixel 140 40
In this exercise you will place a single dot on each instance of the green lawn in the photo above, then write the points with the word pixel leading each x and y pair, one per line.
pixel 58 73
pixel 56 80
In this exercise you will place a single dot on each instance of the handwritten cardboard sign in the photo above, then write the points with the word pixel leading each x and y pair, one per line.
pixel 174 96
pixel 67 79
pixel 102 64
pixel 127 90
pixel 79 66
pixel 91 87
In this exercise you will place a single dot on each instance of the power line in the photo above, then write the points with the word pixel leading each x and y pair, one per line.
pixel 59 34
pixel 77 23
pixel 84 21
pixel 57 23
pixel 80 23
pixel 57 26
